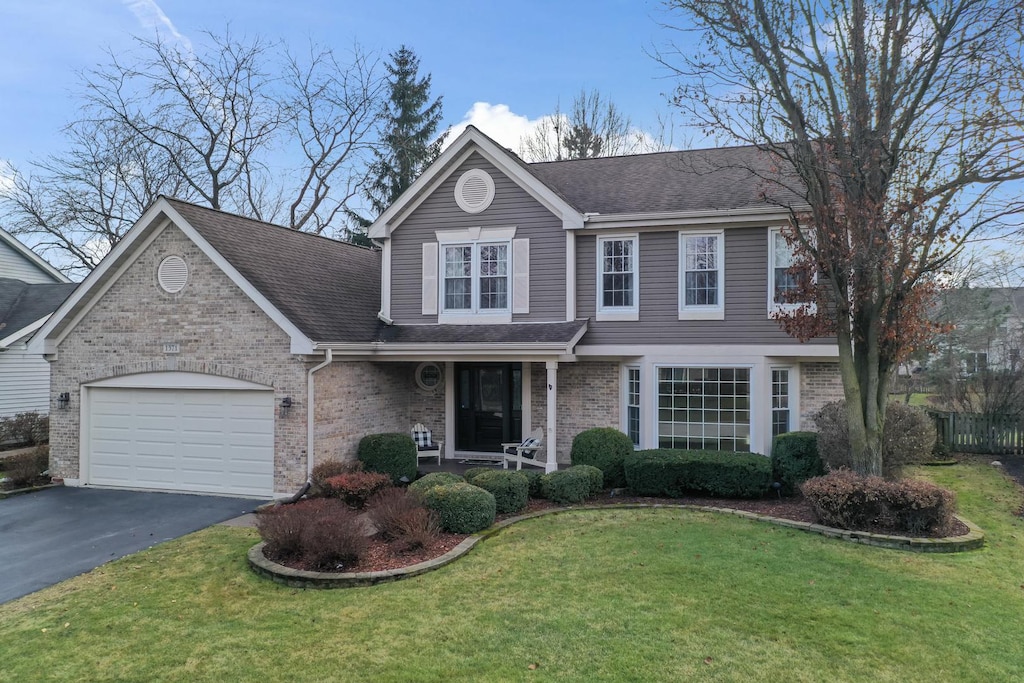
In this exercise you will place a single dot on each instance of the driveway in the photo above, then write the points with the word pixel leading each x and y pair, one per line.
pixel 52 535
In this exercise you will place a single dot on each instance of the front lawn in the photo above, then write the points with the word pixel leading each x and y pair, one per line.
pixel 642 595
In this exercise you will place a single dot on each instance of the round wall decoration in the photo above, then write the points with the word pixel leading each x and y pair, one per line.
pixel 429 376
pixel 172 274
pixel 474 190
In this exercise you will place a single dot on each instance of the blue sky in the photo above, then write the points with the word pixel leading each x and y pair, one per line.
pixel 498 65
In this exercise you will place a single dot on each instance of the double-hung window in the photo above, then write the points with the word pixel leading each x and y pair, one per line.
pixel 701 276
pixel 617 278
pixel 784 281
pixel 476 278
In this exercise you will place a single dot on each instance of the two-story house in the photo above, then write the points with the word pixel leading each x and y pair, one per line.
pixel 210 352
pixel 30 290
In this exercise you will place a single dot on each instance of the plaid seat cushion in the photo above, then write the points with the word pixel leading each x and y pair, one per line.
pixel 529 447
pixel 423 440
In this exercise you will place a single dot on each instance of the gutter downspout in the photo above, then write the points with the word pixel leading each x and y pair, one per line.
pixel 328 358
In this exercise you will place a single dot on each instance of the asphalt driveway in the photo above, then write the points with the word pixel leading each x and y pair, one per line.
pixel 52 535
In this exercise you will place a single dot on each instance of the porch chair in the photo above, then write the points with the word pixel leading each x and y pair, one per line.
pixel 524 452
pixel 426 447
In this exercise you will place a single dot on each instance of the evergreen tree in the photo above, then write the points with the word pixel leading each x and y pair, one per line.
pixel 409 140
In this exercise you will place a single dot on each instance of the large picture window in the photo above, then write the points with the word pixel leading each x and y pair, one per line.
pixel 617 274
pixel 701 281
pixel 476 277
pixel 704 408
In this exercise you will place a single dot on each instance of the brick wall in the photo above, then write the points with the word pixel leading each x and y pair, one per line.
pixel 220 332
pixel 588 396
pixel 820 383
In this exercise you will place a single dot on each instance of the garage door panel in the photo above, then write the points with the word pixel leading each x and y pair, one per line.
pixel 215 441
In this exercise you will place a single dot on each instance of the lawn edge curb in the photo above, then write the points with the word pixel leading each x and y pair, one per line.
pixel 298 578
pixel 27 489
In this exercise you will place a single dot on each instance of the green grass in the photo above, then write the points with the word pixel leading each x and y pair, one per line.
pixel 645 595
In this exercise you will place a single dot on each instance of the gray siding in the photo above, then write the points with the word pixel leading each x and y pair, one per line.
pixel 14 265
pixel 512 206
pixel 746 294
pixel 24 382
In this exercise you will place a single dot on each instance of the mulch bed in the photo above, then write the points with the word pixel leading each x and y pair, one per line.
pixel 383 556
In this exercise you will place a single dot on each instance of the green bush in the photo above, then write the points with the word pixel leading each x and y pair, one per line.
pixel 795 459
pixel 461 508
pixel 472 473
pixel 908 437
pixel 533 479
pixel 511 490
pixel 429 481
pixel 596 478
pixel 604 448
pixel 393 454
pixel 568 486
pixel 671 473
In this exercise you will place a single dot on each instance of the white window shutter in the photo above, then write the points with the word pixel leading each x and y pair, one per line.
pixel 430 278
pixel 521 276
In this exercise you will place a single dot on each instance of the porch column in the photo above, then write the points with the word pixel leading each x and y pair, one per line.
pixel 552 405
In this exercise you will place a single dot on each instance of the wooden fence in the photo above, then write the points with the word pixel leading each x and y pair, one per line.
pixel 973 433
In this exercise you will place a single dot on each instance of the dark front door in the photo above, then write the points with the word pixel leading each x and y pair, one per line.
pixel 489 408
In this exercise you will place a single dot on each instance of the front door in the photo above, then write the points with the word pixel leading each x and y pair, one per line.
pixel 489 408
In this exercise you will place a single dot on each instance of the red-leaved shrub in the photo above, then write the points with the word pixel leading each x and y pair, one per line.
pixel 355 488
pixel 847 500
pixel 400 517
pixel 323 471
pixel 320 534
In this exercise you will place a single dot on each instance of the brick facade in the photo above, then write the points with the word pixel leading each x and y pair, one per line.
pixel 220 332
pixel 588 396
pixel 820 383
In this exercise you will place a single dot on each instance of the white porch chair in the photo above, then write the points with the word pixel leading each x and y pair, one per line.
pixel 524 452
pixel 426 447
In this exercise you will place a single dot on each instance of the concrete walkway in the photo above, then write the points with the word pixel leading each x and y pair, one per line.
pixel 52 535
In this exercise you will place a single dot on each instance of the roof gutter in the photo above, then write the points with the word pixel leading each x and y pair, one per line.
pixel 704 216
pixel 328 359
pixel 443 349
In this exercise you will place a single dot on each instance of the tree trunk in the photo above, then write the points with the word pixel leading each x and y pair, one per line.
pixel 863 406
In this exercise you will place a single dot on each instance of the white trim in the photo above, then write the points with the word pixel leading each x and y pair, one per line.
pixel 177 380
pixel 472 140
pixel 468 318
pixel 794 350
pixel 31 256
pixel 697 312
pixel 126 252
pixel 385 280
pixel 570 275
pixel 474 315
pixel 552 416
pixel 476 234
pixel 23 332
pixel 775 307
pixel 460 185
pixel 756 215
pixel 625 369
pixel 791 394
pixel 621 313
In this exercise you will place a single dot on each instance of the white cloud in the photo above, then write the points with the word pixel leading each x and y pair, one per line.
pixel 498 122
pixel 151 17
pixel 7 176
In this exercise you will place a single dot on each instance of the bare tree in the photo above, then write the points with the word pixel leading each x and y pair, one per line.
pixel 894 122
pixel 235 125
pixel 593 127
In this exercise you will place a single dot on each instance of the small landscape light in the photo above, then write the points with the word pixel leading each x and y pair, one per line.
pixel 777 487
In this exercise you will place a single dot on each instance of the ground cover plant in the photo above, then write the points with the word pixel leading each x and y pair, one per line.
pixel 670 595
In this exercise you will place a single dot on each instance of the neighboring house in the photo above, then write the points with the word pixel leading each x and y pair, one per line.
pixel 30 290
pixel 985 329
pixel 210 352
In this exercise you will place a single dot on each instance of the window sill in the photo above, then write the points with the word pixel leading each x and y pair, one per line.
pixel 474 318
pixel 786 309
pixel 617 316
pixel 707 314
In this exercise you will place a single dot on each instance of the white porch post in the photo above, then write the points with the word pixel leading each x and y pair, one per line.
pixel 552 399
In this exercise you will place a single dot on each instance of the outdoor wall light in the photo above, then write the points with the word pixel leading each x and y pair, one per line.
pixel 63 400
pixel 286 406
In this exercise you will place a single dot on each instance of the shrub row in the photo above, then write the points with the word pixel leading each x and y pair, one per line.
pixel 795 459
pixel 849 501
pixel 511 490
pixel 393 454
pixel 606 449
pixel 572 485
pixel 671 473
pixel 461 508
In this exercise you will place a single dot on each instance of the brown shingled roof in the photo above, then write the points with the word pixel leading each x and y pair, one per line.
pixel 692 180
pixel 329 289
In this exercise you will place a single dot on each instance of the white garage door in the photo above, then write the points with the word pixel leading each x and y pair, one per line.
pixel 200 440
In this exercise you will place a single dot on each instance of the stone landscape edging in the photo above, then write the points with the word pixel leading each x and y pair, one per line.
pixel 27 489
pixel 299 578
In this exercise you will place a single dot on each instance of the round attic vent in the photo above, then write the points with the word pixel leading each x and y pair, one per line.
pixel 474 191
pixel 172 274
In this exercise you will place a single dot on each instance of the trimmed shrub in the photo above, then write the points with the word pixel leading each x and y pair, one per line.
pixel 511 490
pixel 461 508
pixel 596 478
pixel 671 473
pixel 25 469
pixel 321 534
pixel 606 449
pixel 323 471
pixel 401 517
pixel 355 488
pixel 429 481
pixel 473 472
pixel 533 479
pixel 847 500
pixel 29 428
pixel 908 438
pixel 393 454
pixel 568 486
pixel 795 459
